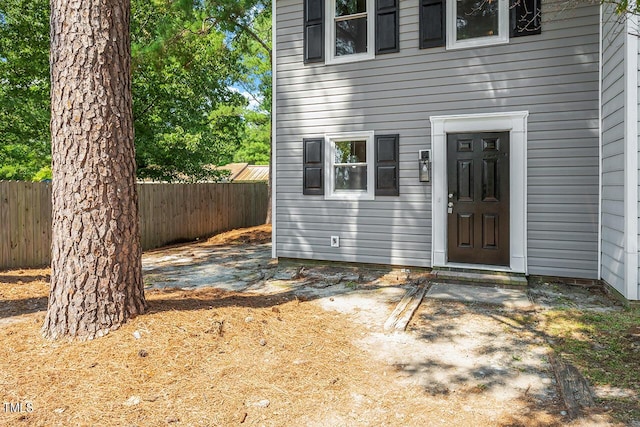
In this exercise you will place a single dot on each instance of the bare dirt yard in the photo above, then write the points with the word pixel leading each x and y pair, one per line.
pixel 232 338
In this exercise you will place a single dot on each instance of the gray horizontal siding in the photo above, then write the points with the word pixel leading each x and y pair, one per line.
pixel 554 76
pixel 613 116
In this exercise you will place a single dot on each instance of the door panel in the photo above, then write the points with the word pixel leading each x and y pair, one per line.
pixel 465 230
pixel 465 180
pixel 478 187
pixel 490 231
pixel 490 190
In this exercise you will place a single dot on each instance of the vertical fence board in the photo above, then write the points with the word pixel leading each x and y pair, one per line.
pixel 181 214
pixel 226 207
pixel 242 206
pixel 16 222
pixel 167 216
pixel 31 206
pixel 204 202
pixel 192 208
pixel 254 201
pixel 23 215
pixel 233 220
pixel 156 206
pixel 142 214
pixel 143 207
pixel 239 205
pixel 170 209
pixel 219 208
pixel 46 212
pixel 168 212
pixel 246 211
pixel 4 222
pixel 36 190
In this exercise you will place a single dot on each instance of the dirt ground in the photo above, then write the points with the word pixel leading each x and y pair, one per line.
pixel 217 357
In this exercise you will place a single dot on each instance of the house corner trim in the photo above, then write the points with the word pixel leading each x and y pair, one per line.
pixel 631 160
pixel 274 122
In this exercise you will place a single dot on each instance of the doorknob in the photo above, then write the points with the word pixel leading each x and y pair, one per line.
pixel 450 207
pixel 451 195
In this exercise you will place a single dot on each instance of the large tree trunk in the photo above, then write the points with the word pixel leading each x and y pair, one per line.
pixel 96 279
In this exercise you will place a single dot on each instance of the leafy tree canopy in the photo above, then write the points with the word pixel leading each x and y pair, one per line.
pixel 24 89
pixel 188 56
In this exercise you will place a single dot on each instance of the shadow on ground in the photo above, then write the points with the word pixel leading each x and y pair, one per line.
pixel 20 307
pixel 491 357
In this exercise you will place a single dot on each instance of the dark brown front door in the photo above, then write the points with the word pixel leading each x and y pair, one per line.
pixel 478 198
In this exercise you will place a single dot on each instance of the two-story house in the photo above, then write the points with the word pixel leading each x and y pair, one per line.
pixel 496 135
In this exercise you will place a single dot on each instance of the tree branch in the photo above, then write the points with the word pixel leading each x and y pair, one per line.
pixel 146 109
pixel 243 27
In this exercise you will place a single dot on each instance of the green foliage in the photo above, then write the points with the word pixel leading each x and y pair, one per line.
pixel 623 7
pixel 186 57
pixel 256 141
pixel 256 42
pixel 254 38
pixel 186 116
pixel 24 88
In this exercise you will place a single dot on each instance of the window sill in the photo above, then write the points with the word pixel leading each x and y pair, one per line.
pixel 350 196
pixel 479 42
pixel 346 59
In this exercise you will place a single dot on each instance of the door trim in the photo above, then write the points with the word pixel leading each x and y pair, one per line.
pixel 516 124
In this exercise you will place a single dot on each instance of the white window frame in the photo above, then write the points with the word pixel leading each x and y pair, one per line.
pixel 330 35
pixel 501 38
pixel 515 123
pixel 330 155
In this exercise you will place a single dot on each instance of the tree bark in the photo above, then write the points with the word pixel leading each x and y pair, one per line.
pixel 96 278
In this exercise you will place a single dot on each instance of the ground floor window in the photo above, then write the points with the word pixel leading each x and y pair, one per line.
pixel 349 165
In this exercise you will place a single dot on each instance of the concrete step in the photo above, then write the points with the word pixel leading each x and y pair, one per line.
pixel 510 298
pixel 480 278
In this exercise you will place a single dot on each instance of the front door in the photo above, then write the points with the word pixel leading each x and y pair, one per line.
pixel 478 198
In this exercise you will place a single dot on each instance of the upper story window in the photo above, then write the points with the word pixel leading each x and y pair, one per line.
pixel 351 30
pixel 472 23
pixel 459 24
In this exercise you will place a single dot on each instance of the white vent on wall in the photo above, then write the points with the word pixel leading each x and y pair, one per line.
pixel 335 241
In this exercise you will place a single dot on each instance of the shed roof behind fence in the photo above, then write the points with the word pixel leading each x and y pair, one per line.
pixel 244 172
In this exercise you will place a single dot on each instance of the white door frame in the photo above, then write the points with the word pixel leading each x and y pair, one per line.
pixel 516 124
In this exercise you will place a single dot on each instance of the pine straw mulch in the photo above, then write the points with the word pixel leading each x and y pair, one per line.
pixel 203 358
pixel 215 358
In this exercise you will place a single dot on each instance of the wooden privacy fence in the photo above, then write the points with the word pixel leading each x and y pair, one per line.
pixel 168 213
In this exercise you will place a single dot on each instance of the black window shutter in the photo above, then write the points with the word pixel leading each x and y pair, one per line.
pixel 387 161
pixel 313 167
pixel 432 23
pixel 313 31
pixel 387 26
pixel 525 18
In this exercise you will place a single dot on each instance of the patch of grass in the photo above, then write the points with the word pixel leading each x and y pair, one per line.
pixel 604 346
pixel 524 319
